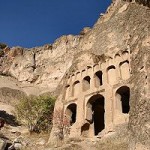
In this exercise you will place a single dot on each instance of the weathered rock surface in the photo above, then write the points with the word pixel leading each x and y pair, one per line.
pixel 143 2
pixel 125 26
pixel 41 66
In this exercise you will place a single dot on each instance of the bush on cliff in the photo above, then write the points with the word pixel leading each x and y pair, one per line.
pixel 2 45
pixel 35 112
pixel 1 52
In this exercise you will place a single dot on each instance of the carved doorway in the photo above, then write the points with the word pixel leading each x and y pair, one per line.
pixel 71 113
pixel 96 113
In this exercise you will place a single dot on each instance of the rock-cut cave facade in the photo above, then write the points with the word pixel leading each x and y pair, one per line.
pixel 97 98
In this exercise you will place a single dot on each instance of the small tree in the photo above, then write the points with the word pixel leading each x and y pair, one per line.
pixel 3 45
pixel 35 112
pixel 1 52
pixel 62 123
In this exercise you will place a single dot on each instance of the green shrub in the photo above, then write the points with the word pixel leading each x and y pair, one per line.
pixel 35 112
pixel 2 45
pixel 1 52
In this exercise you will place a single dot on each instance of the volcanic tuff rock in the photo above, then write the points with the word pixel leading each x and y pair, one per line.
pixel 124 26
pixel 44 66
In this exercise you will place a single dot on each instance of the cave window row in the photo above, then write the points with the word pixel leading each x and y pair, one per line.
pixel 95 110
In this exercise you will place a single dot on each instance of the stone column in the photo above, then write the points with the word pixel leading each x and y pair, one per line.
pixel 108 108
pixel 118 74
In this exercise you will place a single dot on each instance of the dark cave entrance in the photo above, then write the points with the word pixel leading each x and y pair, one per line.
pixel 124 97
pixel 97 105
pixel 71 112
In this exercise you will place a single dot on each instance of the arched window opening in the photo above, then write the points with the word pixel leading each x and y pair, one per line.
pixel 95 112
pixel 71 113
pixel 98 79
pixel 111 72
pixel 89 67
pixel 124 70
pixel 76 88
pixel 117 58
pixel 110 60
pixel 73 77
pixel 117 55
pixel 125 54
pixel 123 98
pixel 96 67
pixel 67 91
pixel 86 83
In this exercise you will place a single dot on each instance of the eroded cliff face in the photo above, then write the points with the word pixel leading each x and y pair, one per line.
pixel 125 26
pixel 129 28
pixel 143 2
pixel 40 66
pixel 43 66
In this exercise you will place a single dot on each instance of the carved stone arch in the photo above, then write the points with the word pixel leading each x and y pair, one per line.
pixel 125 55
pixel 124 70
pixel 123 99
pixel 110 60
pixel 67 91
pixel 89 67
pixel 83 70
pixel 86 83
pixel 73 77
pixel 78 75
pixel 71 112
pixel 125 52
pixel 98 78
pixel 95 112
pixel 117 57
pixel 111 75
pixel 83 73
pixel 78 72
pixel 95 65
pixel 76 88
pixel 117 54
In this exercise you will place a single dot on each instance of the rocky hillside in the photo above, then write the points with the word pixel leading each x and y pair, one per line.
pixel 143 2
pixel 42 66
pixel 125 25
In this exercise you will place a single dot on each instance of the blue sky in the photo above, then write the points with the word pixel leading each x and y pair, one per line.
pixel 30 23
